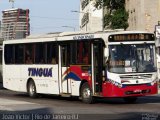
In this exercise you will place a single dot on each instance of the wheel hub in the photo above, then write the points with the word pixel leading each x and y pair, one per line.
pixel 86 93
pixel 32 89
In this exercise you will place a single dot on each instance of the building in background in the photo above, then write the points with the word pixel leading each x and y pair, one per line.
pixel 143 14
pixel 0 30
pixel 1 38
pixel 90 17
pixel 15 23
pixel 1 42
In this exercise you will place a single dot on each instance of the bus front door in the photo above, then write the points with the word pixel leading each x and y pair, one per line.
pixel 97 63
pixel 64 58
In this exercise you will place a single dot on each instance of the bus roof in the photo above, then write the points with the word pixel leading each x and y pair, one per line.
pixel 58 36
pixel 61 34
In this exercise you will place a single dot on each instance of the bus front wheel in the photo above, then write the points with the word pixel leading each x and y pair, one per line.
pixel 86 94
pixel 32 89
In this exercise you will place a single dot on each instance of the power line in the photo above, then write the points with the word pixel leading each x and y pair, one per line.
pixel 46 27
pixel 43 27
pixel 53 18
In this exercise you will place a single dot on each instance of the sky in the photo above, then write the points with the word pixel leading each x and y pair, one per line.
pixel 48 15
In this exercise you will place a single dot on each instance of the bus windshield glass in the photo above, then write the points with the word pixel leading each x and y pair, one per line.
pixel 132 58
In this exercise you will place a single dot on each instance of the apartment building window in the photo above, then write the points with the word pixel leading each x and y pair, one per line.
pixel 85 19
pixel 84 3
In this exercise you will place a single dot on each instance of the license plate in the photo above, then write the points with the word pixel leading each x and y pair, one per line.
pixel 136 91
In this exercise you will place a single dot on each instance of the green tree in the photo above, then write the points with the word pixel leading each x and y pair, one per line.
pixel 116 16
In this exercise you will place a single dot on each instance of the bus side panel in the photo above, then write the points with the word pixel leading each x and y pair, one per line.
pixel 33 72
pixel 45 77
pixel 12 79
pixel 75 85
pixel 53 83
pixel 66 83
pixel 73 76
pixel 77 74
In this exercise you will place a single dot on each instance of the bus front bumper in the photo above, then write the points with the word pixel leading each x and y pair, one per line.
pixel 110 90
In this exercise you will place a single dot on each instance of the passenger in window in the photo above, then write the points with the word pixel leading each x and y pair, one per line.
pixel 11 61
pixel 41 61
pixel 28 60
pixel 53 61
pixel 85 59
pixel 27 53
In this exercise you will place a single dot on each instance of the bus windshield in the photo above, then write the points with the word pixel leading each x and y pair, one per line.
pixel 132 58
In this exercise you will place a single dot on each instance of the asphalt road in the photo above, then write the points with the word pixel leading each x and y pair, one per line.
pixel 47 107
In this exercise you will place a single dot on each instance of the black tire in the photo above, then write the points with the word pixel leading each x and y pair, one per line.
pixel 32 89
pixel 86 94
pixel 130 99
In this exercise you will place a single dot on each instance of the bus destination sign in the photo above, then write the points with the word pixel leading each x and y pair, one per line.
pixel 131 37
pixel 79 37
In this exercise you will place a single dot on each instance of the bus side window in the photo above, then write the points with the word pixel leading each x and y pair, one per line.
pixel 19 54
pixel 40 53
pixel 29 53
pixel 28 60
pixel 65 55
pixel 53 61
pixel 73 50
pixel 52 53
pixel 85 59
pixel 9 54
pixel 83 52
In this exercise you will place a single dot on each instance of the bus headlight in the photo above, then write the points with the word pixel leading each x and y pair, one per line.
pixel 154 79
pixel 120 85
pixel 153 82
pixel 115 83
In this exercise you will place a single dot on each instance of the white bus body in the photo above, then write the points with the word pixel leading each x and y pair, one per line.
pixel 102 75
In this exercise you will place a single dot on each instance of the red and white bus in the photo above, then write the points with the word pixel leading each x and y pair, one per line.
pixel 117 64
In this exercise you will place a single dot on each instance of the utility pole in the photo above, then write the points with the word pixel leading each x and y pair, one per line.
pixel 12 3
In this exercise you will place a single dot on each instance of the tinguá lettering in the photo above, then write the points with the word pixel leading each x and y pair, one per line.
pixel 40 72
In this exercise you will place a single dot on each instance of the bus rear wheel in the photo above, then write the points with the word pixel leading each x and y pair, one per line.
pixel 86 94
pixel 130 99
pixel 32 89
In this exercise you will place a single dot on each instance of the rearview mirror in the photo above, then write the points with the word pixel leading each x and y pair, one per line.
pixel 106 52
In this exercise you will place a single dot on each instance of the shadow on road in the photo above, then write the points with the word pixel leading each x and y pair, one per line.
pixel 140 100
